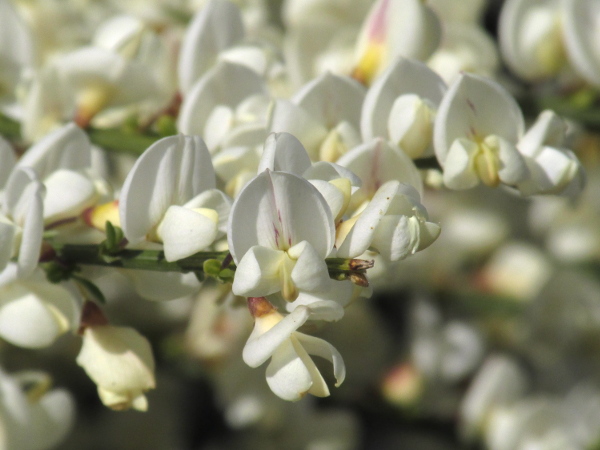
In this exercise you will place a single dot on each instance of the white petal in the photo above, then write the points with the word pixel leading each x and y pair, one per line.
pixel 319 347
pixel 185 232
pixel 170 172
pixel 51 419
pixel 287 374
pixel 118 359
pixel 513 168
pixel 214 28
pixel 580 20
pixel 358 240
pixel 68 193
pixel 33 315
pixel 24 201
pixel 288 117
pixel 66 148
pixel 273 210
pixel 458 173
pixel 257 274
pixel 377 162
pixel 327 304
pixel 405 76
pixel 226 84
pixel 549 129
pixel 310 271
pixel 393 238
pixel 475 107
pixel 284 152
pixel 261 345
pixel 213 199
pixel 162 285
pixel 327 171
pixel 331 99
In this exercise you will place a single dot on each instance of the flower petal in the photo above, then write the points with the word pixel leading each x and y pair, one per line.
pixel 475 107
pixel 170 172
pixel 359 238
pixel 225 85
pixel 405 76
pixel 185 232
pixel 285 153
pixel 273 210
pixel 217 26
pixel 377 162
pixel 291 118
pixel 65 148
pixel 261 345
pixel 68 193
pixel 322 348
pixel 34 314
pixel 287 374
pixel 331 99
pixel 257 274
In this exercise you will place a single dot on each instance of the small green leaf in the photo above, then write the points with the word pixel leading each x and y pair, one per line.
pixel 212 267
pixel 91 288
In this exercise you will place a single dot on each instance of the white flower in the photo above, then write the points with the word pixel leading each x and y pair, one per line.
pixel 216 27
pixel 324 115
pixel 169 197
pixel 393 222
pixel 465 48
pixel 581 21
pixel 34 312
pixel 499 382
pixel 33 417
pixel 395 28
pixel 291 374
pixel 401 105
pixel 283 152
pixel 228 97
pixel 79 85
pixel 16 50
pixel 531 38
pixel 21 224
pixel 62 161
pixel 280 232
pixel 119 360
pixel 553 169
pixel 476 129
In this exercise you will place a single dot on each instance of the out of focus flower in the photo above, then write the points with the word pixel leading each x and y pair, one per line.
pixel 34 312
pixel 553 169
pixel 21 224
pixel 119 360
pixel 401 105
pixel 395 28
pixel 33 416
pixel 531 38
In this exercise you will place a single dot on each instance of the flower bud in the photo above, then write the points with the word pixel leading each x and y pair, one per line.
pixel 119 360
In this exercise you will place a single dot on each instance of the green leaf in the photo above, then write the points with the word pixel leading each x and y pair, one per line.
pixel 212 267
pixel 91 288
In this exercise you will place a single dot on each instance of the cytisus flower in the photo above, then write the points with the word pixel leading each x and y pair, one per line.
pixel 476 130
pixel 291 374
pixel 118 359
pixel 280 232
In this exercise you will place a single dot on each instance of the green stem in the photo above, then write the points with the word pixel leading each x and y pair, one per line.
pixel 154 260
pixel 114 139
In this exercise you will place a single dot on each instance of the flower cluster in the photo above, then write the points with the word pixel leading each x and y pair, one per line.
pixel 288 172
